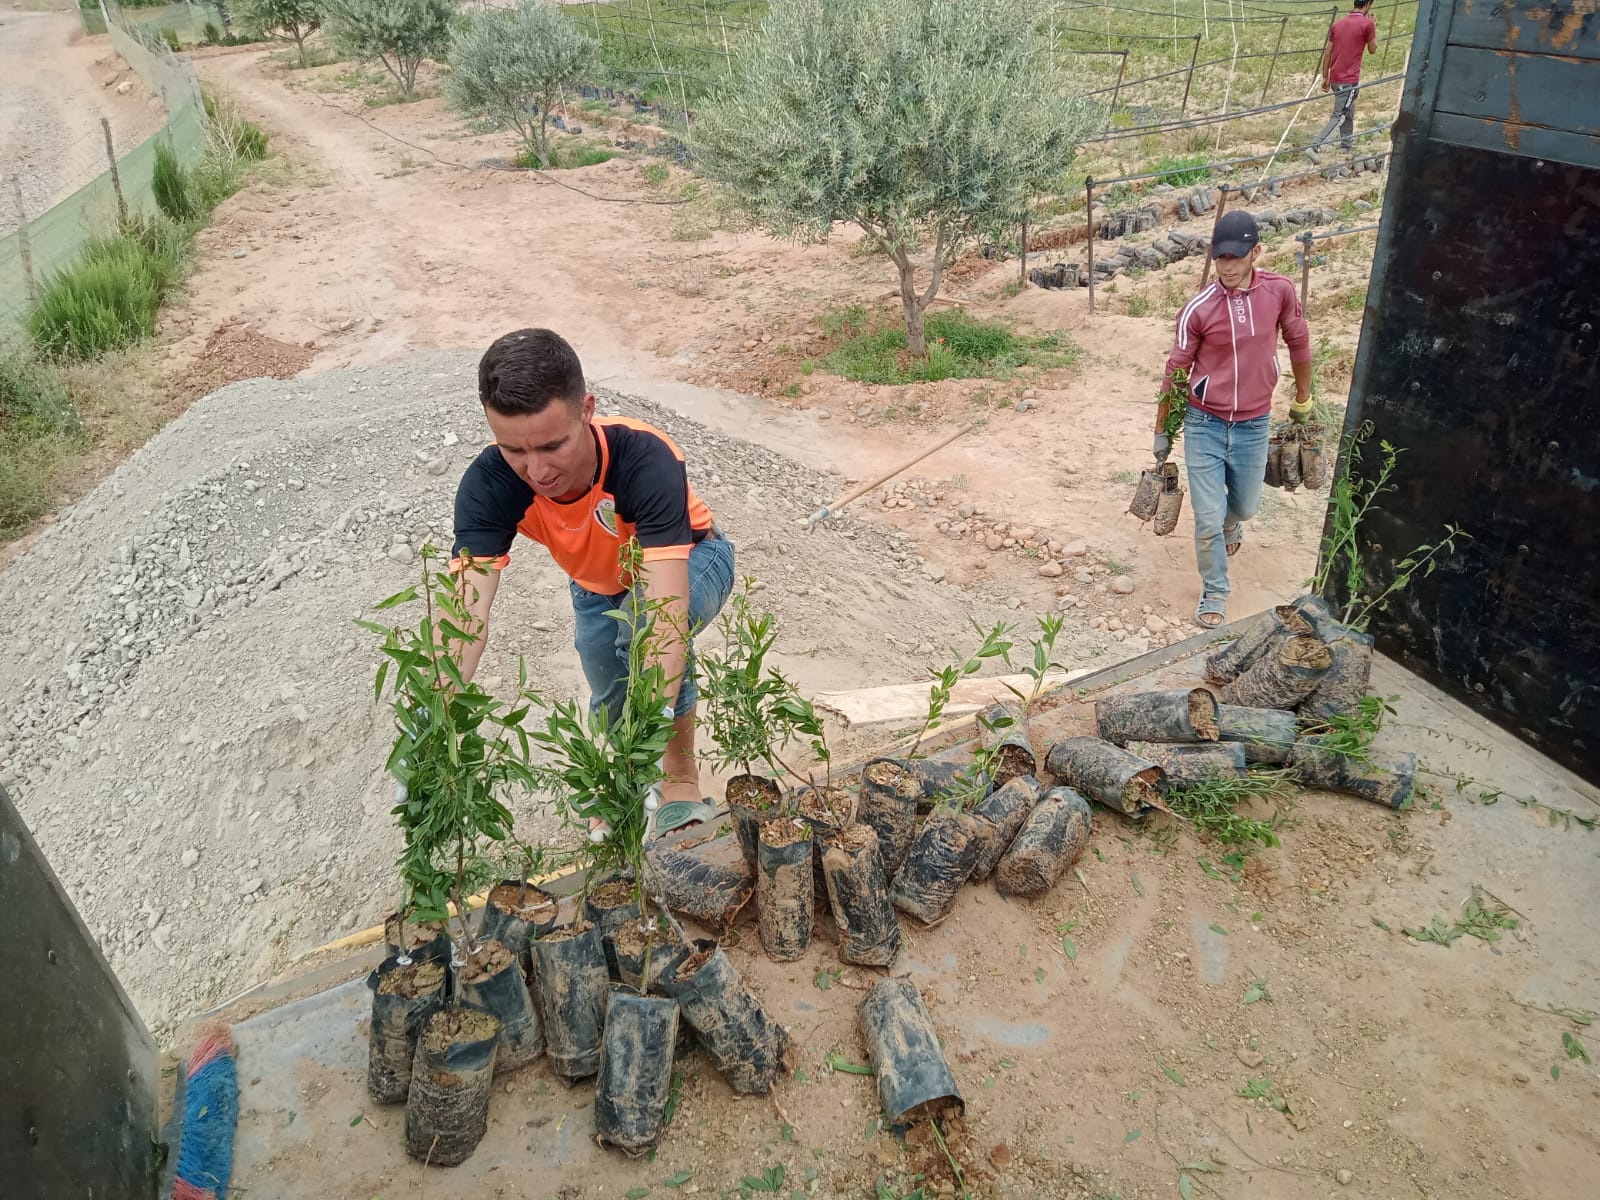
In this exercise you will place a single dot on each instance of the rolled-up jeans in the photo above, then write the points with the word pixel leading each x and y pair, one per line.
pixel 1227 463
pixel 603 641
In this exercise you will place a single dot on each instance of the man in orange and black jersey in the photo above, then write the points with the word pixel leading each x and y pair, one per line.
pixel 581 486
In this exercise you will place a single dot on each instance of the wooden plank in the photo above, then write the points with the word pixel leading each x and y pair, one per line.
pixel 1545 91
pixel 907 703
pixel 1570 27
pixel 1527 141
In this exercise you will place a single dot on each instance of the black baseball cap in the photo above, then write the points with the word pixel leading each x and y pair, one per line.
pixel 1235 235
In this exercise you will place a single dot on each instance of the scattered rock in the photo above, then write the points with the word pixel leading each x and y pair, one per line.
pixel 1122 585
pixel 1051 570
pixel 190 857
pixel 934 572
pixel 1154 623
pixel 123 88
pixel 401 553
pixel 238 253
pixel 1345 1175
pixel 993 541
pixel 964 511
pixel 1250 1058
pixel 251 886
pixel 1074 550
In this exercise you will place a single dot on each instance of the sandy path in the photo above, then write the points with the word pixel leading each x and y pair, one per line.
pixel 55 94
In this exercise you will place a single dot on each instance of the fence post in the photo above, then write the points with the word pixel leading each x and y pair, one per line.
pixel 1388 37
pixel 1022 271
pixel 1116 91
pixel 1188 81
pixel 1273 65
pixel 116 180
pixel 24 247
pixel 1088 205
pixel 1222 204
pixel 1305 267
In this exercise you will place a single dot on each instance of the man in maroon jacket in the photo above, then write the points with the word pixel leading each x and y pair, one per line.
pixel 1350 35
pixel 1227 340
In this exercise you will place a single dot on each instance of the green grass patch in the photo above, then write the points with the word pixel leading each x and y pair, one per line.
pixel 169 181
pixel 1181 170
pixel 108 298
pixel 569 157
pixel 875 350
pixel 39 428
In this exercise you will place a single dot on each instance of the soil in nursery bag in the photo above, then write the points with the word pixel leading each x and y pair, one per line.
pixel 914 1080
pixel 1284 676
pixel 1107 774
pixel 889 796
pixel 1178 715
pixel 713 893
pixel 751 800
pixel 1003 726
pixel 573 986
pixel 1313 457
pixel 1275 453
pixel 826 812
pixel 748 1047
pixel 1235 658
pixel 608 907
pixel 447 1110
pixel 940 861
pixel 1149 490
pixel 1267 734
pixel 493 981
pixel 1386 781
pixel 1341 690
pixel 998 817
pixel 785 888
pixel 403 997
pixel 630 943
pixel 1169 506
pixel 1289 459
pixel 858 893
pixel 515 914
pixel 424 939
pixel 635 1077
pixel 1050 841
pixel 1182 764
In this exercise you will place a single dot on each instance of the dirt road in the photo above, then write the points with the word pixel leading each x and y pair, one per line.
pixel 58 86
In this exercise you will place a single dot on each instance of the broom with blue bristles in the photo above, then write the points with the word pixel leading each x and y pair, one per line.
pixel 210 1114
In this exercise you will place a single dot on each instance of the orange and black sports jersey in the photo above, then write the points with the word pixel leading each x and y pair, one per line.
pixel 641 490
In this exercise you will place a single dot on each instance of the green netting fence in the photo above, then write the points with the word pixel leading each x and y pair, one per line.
pixel 49 240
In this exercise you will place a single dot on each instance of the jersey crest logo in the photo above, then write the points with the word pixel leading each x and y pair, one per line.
pixel 606 513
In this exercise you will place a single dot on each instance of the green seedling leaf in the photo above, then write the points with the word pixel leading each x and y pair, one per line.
pixel 1255 1089
pixel 1209 1168
pixel 1133 1135
pixel 1574 1047
pixel 1006 1064
pixel 1215 928
pixel 1555 1071
pixel 1070 948
pixel 800 1075
pixel 1256 991
pixel 1022 950
pixel 788 1133
pixel 1172 1074
pixel 638 1193
pixel 354 1121
pixel 1099 856
pixel 823 979
pixel 678 1179
pixel 1381 925
pixel 1210 871
pixel 1138 888
pixel 838 1062
pixel 1038 974
pixel 292 1116
pixel 1185 1187
pixel 1068 927
pixel 1255 918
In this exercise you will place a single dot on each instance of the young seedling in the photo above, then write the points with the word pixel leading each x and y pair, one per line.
pixel 945 679
pixel 458 749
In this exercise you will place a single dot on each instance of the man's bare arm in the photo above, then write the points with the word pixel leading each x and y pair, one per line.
pixel 667 580
pixel 480 589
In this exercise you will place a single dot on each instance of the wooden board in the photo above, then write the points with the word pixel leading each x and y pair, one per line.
pixel 907 703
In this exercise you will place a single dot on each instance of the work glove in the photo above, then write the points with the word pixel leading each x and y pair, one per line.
pixel 1161 448
pixel 1300 413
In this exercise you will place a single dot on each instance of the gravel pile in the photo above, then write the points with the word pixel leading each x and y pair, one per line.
pixel 186 713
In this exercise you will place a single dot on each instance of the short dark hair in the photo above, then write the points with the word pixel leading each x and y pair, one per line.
pixel 526 369
pixel 1362 3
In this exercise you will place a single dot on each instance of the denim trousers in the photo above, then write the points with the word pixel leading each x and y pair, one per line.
pixel 1343 118
pixel 603 640
pixel 1227 463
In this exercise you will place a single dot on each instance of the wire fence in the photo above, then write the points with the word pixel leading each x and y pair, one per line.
pixel 46 239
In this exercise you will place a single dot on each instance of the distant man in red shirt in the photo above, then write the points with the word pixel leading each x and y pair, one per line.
pixel 1350 35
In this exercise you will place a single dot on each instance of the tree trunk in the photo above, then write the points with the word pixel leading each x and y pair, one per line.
pixel 299 43
pixel 916 339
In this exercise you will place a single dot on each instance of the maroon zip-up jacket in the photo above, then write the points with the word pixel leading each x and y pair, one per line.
pixel 1228 340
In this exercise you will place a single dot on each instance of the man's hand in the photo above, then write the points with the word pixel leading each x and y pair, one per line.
pixel 1161 447
pixel 1324 82
pixel 1300 410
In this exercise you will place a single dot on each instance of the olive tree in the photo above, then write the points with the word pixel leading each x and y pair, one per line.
pixel 399 33
pixel 924 122
pixel 294 19
pixel 510 64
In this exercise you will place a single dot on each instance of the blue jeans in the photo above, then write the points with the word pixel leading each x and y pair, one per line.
pixel 603 641
pixel 1227 463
